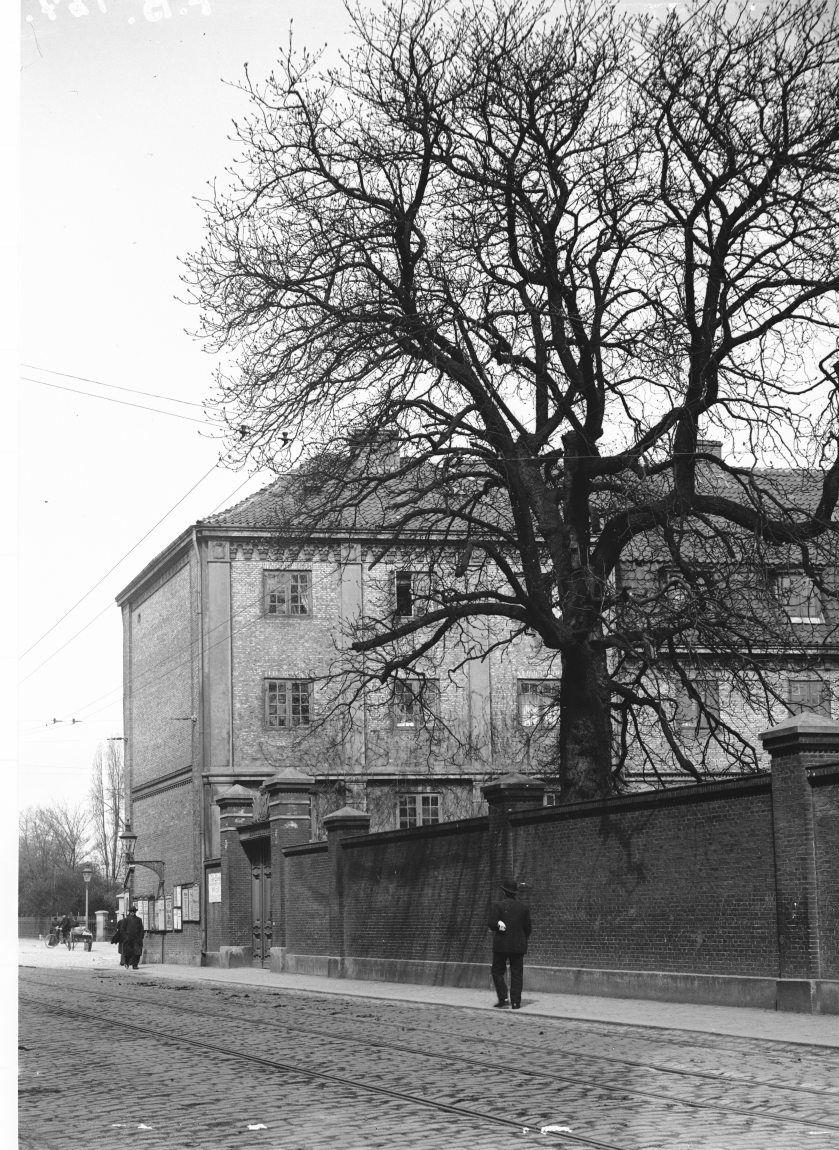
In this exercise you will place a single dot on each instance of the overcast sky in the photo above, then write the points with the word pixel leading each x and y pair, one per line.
pixel 124 119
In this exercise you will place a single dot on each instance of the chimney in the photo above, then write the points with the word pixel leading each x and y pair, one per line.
pixel 709 447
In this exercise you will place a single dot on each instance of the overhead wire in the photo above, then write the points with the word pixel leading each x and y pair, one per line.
pixel 122 402
pixel 111 386
pixel 122 559
pixel 108 606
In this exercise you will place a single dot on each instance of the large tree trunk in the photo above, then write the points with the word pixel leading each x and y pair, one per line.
pixel 585 743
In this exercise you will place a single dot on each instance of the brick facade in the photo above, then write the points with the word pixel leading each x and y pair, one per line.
pixel 723 892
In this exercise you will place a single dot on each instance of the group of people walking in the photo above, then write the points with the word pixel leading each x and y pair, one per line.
pixel 129 936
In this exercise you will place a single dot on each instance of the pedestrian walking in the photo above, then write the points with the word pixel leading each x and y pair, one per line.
pixel 132 939
pixel 510 924
pixel 118 937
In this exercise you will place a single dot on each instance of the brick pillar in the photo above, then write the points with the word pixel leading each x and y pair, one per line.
pixel 340 825
pixel 235 807
pixel 800 742
pixel 290 817
pixel 504 796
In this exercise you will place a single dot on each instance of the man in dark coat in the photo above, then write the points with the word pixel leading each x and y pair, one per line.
pixel 132 939
pixel 119 938
pixel 509 921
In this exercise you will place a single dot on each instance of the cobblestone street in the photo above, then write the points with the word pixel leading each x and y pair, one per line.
pixel 169 1062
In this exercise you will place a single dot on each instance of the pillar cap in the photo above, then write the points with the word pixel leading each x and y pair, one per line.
pixel 289 779
pixel 235 795
pixel 346 817
pixel 804 732
pixel 513 787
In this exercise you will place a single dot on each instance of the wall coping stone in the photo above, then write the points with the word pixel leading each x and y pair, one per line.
pixel 512 788
pixel 432 830
pixel 720 789
pixel 289 779
pixel 235 796
pixel 801 734
pixel 345 819
pixel 318 847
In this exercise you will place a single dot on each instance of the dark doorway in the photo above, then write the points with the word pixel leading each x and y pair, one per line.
pixel 263 926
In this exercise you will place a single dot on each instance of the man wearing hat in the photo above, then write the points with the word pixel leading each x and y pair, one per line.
pixel 509 921
pixel 132 939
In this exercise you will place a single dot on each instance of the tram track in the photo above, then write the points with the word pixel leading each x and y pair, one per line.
pixel 622 1090
pixel 275 1064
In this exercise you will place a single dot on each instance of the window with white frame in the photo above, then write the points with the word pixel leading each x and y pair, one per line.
pixel 413 699
pixel 418 810
pixel 799 596
pixel 696 709
pixel 536 698
pixel 808 694
pixel 287 594
pixel 287 703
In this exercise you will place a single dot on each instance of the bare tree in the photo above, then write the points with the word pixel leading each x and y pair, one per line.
pixel 495 278
pixel 52 844
pixel 107 800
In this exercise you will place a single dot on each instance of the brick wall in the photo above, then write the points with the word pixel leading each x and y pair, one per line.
pixel 418 894
pixel 662 894
pixel 163 823
pixel 677 884
pixel 160 686
pixel 307 908
pixel 826 818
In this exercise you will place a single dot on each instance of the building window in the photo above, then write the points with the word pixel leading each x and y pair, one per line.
pixel 287 593
pixel 411 590
pixel 806 693
pixel 404 594
pixel 799 597
pixel 695 712
pixel 536 698
pixel 549 799
pixel 287 703
pixel 418 810
pixel 412 697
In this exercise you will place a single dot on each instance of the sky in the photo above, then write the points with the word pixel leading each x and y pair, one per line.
pixel 124 118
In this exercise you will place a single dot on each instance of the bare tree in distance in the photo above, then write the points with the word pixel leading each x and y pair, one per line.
pixel 107 800
pixel 52 845
pixel 494 282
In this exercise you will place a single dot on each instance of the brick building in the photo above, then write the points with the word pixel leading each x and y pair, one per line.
pixel 231 640
pixel 230 637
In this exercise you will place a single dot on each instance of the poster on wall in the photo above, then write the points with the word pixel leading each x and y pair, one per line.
pixel 170 921
pixel 214 886
pixel 160 914
pixel 177 922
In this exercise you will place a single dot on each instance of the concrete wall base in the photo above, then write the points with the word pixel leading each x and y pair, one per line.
pixel 232 956
pixel 764 993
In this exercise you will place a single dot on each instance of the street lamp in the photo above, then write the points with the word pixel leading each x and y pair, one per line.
pixel 87 875
pixel 129 842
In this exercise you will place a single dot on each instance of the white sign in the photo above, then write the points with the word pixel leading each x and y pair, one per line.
pixel 214 886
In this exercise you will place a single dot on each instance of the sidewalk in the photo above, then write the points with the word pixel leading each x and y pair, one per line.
pixel 816 1029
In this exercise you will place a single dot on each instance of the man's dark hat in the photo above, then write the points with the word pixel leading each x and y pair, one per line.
pixel 132 908
pixel 509 885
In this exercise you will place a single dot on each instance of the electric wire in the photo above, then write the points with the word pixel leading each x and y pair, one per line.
pixel 158 671
pixel 122 402
pixel 130 551
pixel 112 386
pixel 108 606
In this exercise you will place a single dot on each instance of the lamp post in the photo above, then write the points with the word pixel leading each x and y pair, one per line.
pixel 87 874
pixel 129 842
